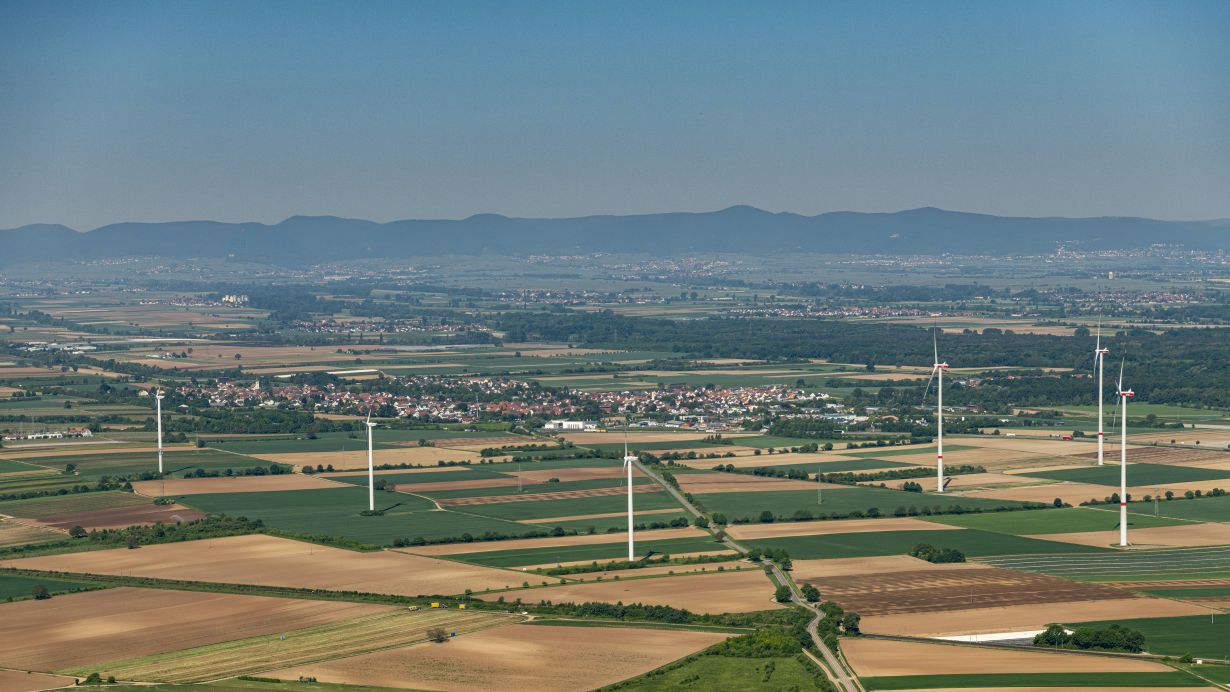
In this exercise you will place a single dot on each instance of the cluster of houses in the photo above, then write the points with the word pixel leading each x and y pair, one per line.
pixel 46 435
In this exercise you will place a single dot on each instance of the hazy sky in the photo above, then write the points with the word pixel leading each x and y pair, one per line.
pixel 256 110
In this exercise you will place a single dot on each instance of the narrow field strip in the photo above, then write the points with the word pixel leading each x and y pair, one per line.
pixel 309 645
pixel 1134 565
pixel 538 497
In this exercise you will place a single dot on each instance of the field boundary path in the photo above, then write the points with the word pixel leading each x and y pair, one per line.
pixel 835 670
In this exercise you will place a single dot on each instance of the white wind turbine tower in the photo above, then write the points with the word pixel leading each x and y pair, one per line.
pixel 158 396
pixel 371 469
pixel 1124 395
pixel 937 373
pixel 628 459
pixel 1099 355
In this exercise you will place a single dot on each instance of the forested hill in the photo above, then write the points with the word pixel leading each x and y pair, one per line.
pixel 310 239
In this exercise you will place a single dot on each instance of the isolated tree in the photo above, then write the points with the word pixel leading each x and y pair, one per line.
pixel 40 592
pixel 438 635
pixel 850 623
pixel 77 532
pixel 782 595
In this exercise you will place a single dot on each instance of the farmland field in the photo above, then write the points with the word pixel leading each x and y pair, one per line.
pixel 1137 474
pixel 841 500
pixel 594 551
pixel 515 658
pixel 730 673
pixel 1198 635
pixel 270 561
pixel 298 647
pixel 739 591
pixel 1191 563
pixel 19 586
pixel 972 542
pixel 91 627
pixel 1059 681
pixel 1069 520
pixel 335 512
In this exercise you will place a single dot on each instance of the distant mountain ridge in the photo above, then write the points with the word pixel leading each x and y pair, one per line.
pixel 312 239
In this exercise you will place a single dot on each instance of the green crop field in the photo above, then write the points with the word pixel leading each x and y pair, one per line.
pixel 335 512
pixel 1137 474
pixel 1136 565
pixel 837 500
pixel 18 586
pixel 1057 680
pixel 730 673
pixel 602 504
pixel 1201 636
pixel 38 507
pixel 1215 673
pixel 176 462
pixel 535 488
pixel 597 551
pixel 766 441
pixel 604 523
pixel 1197 509
pixel 1167 412
pixel 1067 520
pixel 708 447
pixel 972 542
pixel 14 466
pixel 466 474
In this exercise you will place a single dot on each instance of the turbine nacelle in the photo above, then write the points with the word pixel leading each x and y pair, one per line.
pixel 940 366
pixel 1102 351
pixel 1126 393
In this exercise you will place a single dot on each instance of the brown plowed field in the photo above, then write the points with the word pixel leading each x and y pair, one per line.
pixel 105 625
pixel 420 487
pixel 956 589
pixel 1160 455
pixel 810 570
pixel 270 561
pixel 550 542
pixel 883 657
pixel 1020 618
pixel 20 681
pixel 717 592
pixel 715 482
pixel 517 657
pixel 122 517
pixel 539 497
pixel 173 487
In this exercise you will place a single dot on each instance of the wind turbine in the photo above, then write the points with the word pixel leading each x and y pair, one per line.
pixel 1124 395
pixel 158 396
pixel 937 371
pixel 371 470
pixel 628 459
pixel 1099 355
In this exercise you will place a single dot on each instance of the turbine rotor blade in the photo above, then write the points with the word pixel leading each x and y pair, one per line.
pixel 929 381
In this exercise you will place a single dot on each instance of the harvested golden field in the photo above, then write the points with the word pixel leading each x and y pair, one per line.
pixel 383 630
pixel 725 552
pixel 550 542
pixel 388 472
pixel 518 657
pixel 1072 493
pixel 20 681
pixel 13 532
pixel 357 458
pixel 76 448
pixel 820 528
pixel 174 487
pixel 1035 616
pixel 880 657
pixel 954 587
pixel 1185 536
pixel 720 592
pixel 83 628
pixel 1162 455
pixel 1177 488
pixel 732 565
pixel 270 561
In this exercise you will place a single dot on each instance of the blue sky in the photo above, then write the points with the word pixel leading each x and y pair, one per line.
pixel 259 110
